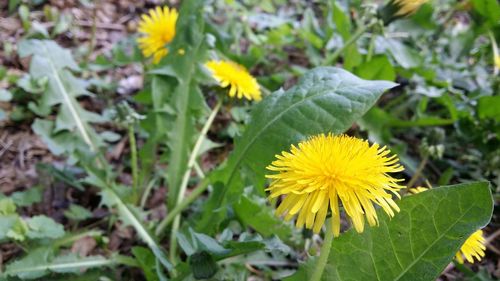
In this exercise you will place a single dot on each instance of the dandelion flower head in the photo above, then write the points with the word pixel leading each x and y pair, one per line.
pixel 235 76
pixel 472 248
pixel 158 29
pixel 325 171
pixel 408 7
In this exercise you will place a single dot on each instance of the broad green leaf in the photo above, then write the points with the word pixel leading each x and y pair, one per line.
pixel 193 242
pixel 379 67
pixel 55 63
pixel 490 9
pixel 28 197
pixel 44 227
pixel 41 262
pixel 405 56
pixel 255 212
pixel 488 107
pixel 146 261
pixel 417 243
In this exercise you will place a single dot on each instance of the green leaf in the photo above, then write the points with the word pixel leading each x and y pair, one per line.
pixel 417 243
pixel 7 206
pixel 260 217
pixel 379 67
pixel 129 217
pixel 51 61
pixel 77 213
pixel 30 266
pixel 41 261
pixel 490 9
pixel 28 197
pixel 146 261
pixel 44 227
pixel 405 56
pixel 488 107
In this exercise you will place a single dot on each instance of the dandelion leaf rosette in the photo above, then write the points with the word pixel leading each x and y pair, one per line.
pixel 415 245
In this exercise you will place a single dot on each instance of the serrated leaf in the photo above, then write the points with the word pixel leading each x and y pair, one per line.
pixel 41 261
pixel 30 266
pixel 417 244
pixel 51 61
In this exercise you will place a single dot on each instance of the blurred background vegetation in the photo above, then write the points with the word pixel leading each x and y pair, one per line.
pixel 443 119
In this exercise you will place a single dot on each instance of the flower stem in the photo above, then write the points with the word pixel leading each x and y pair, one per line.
pixel 185 179
pixel 133 161
pixel 325 252
pixel 202 186
pixel 330 59
pixel 418 172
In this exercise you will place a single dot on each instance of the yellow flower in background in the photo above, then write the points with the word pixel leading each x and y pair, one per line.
pixel 472 248
pixel 158 29
pixel 497 61
pixel 408 7
pixel 417 189
pixel 324 169
pixel 237 77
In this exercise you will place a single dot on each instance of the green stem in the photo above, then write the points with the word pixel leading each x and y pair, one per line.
pixel 133 161
pixel 146 192
pixel 418 172
pixel 360 31
pixel 181 206
pixel 75 237
pixel 185 179
pixel 92 34
pixel 369 54
pixel 325 252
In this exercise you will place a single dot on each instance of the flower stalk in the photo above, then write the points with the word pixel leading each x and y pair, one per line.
pixel 133 161
pixel 325 252
pixel 185 179
pixel 332 58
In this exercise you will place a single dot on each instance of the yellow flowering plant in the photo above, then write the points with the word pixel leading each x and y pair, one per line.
pixel 269 146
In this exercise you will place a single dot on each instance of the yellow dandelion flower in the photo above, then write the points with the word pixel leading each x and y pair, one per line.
pixel 408 7
pixel 241 82
pixel 497 61
pixel 158 29
pixel 318 172
pixel 472 248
